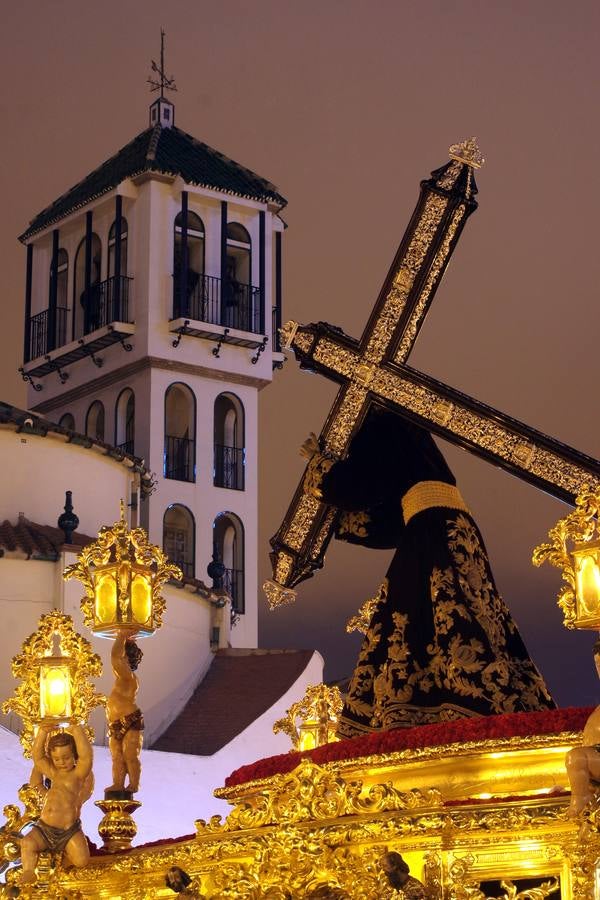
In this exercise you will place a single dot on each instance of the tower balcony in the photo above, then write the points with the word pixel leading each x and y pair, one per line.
pixel 218 309
pixel 105 319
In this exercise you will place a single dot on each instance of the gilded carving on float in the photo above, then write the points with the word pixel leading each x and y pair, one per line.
pixel 312 721
pixel 574 548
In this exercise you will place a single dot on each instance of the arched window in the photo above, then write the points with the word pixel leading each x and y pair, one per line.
pixel 94 421
pixel 179 537
pixel 195 267
pixel 125 421
pixel 229 451
pixel 87 312
pixel 228 540
pixel 180 433
pixel 112 245
pixel 67 421
pixel 240 304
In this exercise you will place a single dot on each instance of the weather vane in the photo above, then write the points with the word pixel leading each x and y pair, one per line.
pixel 163 82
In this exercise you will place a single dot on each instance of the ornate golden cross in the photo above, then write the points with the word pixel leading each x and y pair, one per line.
pixel 374 370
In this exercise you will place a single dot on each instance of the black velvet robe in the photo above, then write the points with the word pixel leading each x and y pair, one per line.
pixel 441 643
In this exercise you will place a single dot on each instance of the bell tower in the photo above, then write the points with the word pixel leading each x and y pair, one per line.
pixel 152 303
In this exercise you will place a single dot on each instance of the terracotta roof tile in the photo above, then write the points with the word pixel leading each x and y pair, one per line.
pixel 36 541
pixel 238 688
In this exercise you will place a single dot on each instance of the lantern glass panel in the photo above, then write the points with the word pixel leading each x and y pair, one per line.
pixel 106 598
pixel 55 692
pixel 587 583
pixel 308 737
pixel 141 599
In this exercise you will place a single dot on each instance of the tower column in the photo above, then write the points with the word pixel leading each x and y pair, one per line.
pixel 53 294
pixel 87 282
pixel 28 288
pixel 278 296
pixel 224 274
pixel 116 310
pixel 183 275
pixel 261 268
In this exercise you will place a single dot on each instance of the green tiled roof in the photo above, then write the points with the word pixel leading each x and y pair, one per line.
pixel 169 151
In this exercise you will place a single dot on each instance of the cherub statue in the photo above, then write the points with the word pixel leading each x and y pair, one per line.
pixel 65 759
pixel 583 763
pixel 125 720
pixel 180 883
pixel 398 876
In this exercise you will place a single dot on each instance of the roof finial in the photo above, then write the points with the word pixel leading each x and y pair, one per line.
pixel 163 83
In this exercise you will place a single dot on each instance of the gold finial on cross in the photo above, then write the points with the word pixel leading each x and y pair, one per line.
pixel 467 152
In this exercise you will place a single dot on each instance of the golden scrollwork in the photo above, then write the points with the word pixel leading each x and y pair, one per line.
pixel 125 548
pixel 311 791
pixel 579 526
pixel 315 715
pixel 85 664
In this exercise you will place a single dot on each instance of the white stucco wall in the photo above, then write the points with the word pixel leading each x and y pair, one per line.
pixel 36 472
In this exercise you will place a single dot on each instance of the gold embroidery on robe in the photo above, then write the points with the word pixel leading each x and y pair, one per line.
pixel 457 664
pixel 353 523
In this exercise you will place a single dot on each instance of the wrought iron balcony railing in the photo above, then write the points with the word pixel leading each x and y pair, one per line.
pixel 106 302
pixel 233 582
pixel 219 302
pixel 179 458
pixel 41 339
pixel 229 467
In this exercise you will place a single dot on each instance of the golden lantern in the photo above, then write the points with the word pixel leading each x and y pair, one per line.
pixel 56 689
pixel 55 666
pixel 312 721
pixel 574 548
pixel 123 575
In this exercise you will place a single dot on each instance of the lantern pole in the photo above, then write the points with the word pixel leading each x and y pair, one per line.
pixel 123 574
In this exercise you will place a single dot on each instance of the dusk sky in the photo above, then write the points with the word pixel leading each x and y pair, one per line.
pixel 346 106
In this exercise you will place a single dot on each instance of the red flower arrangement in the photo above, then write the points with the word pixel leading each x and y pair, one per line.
pixel 460 731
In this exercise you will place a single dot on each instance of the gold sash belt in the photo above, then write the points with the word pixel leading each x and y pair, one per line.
pixel 427 494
